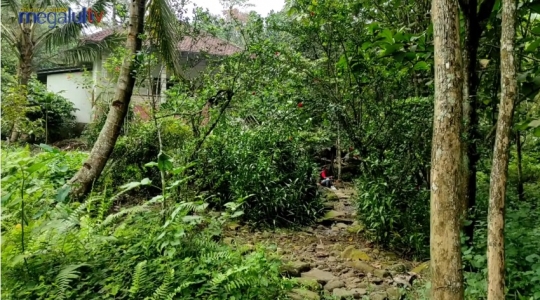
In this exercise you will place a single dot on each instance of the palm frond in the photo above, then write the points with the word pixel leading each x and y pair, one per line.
pixel 164 31
pixel 60 36
pixel 89 51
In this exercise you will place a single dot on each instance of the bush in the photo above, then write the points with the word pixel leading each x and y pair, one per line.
pixel 265 165
pixel 140 146
pixel 522 259
pixel 393 192
pixel 77 251
pixel 45 115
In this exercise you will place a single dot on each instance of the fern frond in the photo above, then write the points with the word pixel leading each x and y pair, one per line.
pixel 139 279
pixel 114 217
pixel 64 278
pixel 163 289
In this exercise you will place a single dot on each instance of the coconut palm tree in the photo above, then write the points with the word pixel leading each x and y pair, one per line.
pixel 28 39
pixel 157 20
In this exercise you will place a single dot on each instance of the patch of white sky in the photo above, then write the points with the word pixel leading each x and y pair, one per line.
pixel 262 7
pixel 215 7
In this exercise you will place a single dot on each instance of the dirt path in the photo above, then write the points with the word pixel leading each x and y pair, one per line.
pixel 332 260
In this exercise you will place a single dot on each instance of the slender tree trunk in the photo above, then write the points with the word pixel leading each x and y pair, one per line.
pixel 474 26
pixel 520 188
pixel 103 147
pixel 499 170
pixel 446 159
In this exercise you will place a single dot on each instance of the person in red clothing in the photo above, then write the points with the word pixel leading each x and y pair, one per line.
pixel 325 179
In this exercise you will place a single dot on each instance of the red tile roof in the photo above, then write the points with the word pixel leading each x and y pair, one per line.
pixel 202 43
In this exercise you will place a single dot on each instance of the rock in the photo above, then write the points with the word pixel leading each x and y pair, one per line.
pixel 356 228
pixel 295 268
pixel 421 268
pixel 233 225
pixel 333 214
pixel 378 296
pixel 355 254
pixel 322 254
pixel 341 226
pixel 381 273
pixel 393 293
pixel 363 285
pixel 361 266
pixel 301 294
pixel 309 283
pixel 359 292
pixel 344 294
pixel 329 205
pixel 398 268
pixel 334 284
pixel 321 276
pixel 376 280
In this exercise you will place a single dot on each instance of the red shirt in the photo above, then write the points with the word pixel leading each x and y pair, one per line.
pixel 323 174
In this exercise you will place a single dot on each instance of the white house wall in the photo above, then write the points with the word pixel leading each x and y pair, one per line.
pixel 72 86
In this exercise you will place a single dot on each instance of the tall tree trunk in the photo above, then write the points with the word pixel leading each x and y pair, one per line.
pixel 499 169
pixel 446 158
pixel 474 26
pixel 26 50
pixel 103 147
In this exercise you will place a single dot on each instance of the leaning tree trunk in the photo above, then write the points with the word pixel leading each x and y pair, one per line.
pixel 499 169
pixel 103 147
pixel 446 159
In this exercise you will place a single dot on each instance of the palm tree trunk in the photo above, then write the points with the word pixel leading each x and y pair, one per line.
pixel 26 49
pixel 446 155
pixel 103 147
pixel 499 169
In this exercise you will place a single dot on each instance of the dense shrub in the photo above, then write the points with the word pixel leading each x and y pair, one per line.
pixel 78 251
pixel 393 189
pixel 45 115
pixel 265 164
pixel 140 145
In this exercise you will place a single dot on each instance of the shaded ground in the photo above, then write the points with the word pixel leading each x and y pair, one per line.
pixel 332 259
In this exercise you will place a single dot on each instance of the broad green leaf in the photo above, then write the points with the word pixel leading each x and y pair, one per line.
pixel 164 162
pixel 63 192
pixel 531 47
pixel 421 65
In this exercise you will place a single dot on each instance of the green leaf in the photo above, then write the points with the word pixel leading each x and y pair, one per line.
pixel 49 148
pixel 421 65
pixel 6 197
pixel 63 192
pixel 387 34
pixel 534 123
pixel 536 132
pixel 532 46
pixel 164 162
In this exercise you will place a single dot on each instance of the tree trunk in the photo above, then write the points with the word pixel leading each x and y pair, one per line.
pixel 26 50
pixel 499 169
pixel 520 188
pixel 103 147
pixel 446 171
pixel 474 26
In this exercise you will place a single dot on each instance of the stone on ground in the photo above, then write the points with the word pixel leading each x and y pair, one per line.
pixel 295 268
pixel 321 276
pixel 334 284
pixel 301 294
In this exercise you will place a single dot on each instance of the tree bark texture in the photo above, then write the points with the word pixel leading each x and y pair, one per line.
pixel 499 170
pixel 446 158
pixel 91 170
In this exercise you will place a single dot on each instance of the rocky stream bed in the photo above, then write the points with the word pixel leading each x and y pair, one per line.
pixel 331 260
